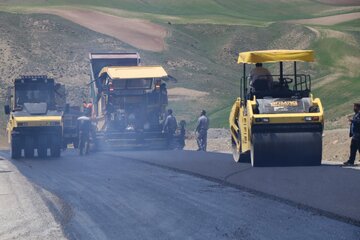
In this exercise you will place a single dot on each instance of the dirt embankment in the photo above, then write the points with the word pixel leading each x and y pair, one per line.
pixel 139 33
pixel 39 44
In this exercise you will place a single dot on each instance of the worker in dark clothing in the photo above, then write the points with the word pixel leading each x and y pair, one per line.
pixel 84 129
pixel 164 94
pixel 201 129
pixel 355 135
pixel 182 125
pixel 84 106
pixel 169 128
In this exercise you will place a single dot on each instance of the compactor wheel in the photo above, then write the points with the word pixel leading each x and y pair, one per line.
pixel 15 148
pixel 55 152
pixel 76 143
pixel 29 147
pixel 42 149
pixel 55 148
pixel 286 149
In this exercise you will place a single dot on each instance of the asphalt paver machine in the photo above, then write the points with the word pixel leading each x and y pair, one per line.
pixel 130 103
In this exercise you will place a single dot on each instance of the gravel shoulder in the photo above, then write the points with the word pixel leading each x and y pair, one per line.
pixel 24 213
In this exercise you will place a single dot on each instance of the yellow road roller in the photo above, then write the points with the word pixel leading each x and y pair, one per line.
pixel 34 105
pixel 276 121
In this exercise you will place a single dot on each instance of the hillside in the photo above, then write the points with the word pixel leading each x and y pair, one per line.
pixel 199 54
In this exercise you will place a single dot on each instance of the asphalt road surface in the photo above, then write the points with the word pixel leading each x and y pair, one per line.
pixel 161 195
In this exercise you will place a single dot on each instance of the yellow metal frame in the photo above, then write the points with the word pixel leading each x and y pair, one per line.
pixel 276 56
pixel 134 72
pixel 287 117
pixel 38 121
pixel 32 121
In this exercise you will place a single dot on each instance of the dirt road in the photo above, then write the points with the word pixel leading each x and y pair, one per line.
pixel 139 33
pixel 330 20
pixel 147 195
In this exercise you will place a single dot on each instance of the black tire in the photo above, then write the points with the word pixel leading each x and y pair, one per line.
pixel 29 147
pixel 15 148
pixel 76 143
pixel 42 149
pixel 286 149
pixel 81 145
pixel 64 145
pixel 55 149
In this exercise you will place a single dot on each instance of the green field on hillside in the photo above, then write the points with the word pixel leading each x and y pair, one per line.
pixel 200 55
pixel 259 10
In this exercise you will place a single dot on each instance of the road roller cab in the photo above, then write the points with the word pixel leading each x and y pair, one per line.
pixel 277 122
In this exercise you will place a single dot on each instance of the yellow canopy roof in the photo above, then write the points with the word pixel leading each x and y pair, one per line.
pixel 276 56
pixel 134 72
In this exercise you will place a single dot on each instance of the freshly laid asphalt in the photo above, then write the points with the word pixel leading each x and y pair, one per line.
pixel 331 189
pixel 191 195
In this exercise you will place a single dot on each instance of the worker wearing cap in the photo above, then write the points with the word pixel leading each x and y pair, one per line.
pixel 170 126
pixel 354 134
pixel 259 73
pixel 201 129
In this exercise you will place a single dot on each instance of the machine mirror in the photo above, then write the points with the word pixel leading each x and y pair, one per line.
pixel 7 109
pixel 67 108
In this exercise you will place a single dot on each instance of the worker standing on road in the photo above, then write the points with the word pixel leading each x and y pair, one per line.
pixel 202 128
pixel 84 128
pixel 170 126
pixel 90 106
pixel 355 135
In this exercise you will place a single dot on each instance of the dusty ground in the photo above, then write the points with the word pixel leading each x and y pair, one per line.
pixel 330 20
pixel 335 143
pixel 139 33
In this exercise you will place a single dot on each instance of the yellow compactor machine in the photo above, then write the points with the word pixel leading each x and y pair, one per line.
pixel 281 123
pixel 34 105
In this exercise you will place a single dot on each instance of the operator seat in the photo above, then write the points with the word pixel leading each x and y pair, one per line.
pixel 260 85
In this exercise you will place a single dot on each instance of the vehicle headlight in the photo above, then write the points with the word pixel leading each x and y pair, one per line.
pixel 263 120
pixel 309 119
